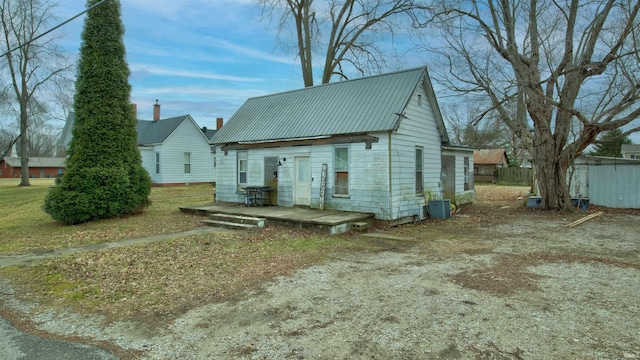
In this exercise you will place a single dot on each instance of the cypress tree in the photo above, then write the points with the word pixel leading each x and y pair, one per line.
pixel 104 177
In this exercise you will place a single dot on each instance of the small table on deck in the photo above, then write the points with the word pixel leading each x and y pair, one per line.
pixel 255 193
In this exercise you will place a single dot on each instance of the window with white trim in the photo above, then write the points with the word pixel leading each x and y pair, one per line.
pixel 243 165
pixel 187 163
pixel 341 171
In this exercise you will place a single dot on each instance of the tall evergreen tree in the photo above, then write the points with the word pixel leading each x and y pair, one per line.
pixel 610 143
pixel 104 177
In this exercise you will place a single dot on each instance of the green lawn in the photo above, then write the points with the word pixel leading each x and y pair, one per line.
pixel 24 225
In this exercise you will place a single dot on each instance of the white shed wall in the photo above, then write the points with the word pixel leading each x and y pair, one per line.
pixel 609 182
pixel 462 196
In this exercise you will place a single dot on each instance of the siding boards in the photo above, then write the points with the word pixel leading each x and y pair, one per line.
pixel 186 138
pixel 613 183
pixel 418 128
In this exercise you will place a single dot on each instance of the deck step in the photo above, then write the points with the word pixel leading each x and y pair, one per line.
pixel 235 222
pixel 238 219
pixel 228 225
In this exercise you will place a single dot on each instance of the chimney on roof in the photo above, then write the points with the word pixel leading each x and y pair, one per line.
pixel 156 111
pixel 134 108
pixel 219 123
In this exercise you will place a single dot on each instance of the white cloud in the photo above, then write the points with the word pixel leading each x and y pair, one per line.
pixel 157 70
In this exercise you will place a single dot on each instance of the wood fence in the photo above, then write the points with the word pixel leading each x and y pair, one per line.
pixel 514 176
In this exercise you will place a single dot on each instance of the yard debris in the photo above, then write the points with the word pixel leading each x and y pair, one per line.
pixel 586 218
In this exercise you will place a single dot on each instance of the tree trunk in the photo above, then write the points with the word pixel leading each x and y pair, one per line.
pixel 551 177
pixel 24 150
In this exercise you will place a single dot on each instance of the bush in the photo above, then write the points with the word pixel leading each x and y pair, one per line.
pixel 89 194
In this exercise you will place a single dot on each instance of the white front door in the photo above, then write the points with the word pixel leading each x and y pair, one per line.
pixel 302 181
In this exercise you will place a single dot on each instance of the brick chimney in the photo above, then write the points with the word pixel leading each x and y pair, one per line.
pixel 156 111
pixel 134 108
pixel 219 123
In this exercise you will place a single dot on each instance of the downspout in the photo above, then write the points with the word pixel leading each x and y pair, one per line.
pixel 390 180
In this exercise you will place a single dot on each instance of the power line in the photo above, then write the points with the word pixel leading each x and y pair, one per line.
pixel 52 29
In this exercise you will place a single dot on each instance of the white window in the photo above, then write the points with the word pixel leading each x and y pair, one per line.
pixel 242 167
pixel 419 173
pixel 157 163
pixel 187 163
pixel 341 169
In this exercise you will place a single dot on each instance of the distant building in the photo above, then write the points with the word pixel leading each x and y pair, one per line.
pixel 39 167
pixel 174 150
pixel 486 162
pixel 630 151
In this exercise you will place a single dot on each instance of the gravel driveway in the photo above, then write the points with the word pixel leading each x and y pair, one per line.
pixel 526 288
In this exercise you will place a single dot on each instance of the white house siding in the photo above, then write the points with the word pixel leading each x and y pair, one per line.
pixel 368 176
pixel 462 196
pixel 186 138
pixel 149 162
pixel 611 182
pixel 368 179
pixel 418 128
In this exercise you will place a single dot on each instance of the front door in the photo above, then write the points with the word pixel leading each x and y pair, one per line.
pixel 302 181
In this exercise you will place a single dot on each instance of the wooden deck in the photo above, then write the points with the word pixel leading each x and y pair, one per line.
pixel 329 221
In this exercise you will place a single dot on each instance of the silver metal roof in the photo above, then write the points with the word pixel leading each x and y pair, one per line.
pixel 363 105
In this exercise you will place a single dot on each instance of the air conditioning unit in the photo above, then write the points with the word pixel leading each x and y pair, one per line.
pixel 440 209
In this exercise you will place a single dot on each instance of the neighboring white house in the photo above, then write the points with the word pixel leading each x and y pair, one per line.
pixel 628 151
pixel 376 144
pixel 174 150
pixel 607 181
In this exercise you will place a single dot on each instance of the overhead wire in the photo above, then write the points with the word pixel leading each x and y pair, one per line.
pixel 54 28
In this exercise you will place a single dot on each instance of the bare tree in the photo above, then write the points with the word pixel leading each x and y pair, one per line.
pixel 467 129
pixel 559 62
pixel 31 64
pixel 344 32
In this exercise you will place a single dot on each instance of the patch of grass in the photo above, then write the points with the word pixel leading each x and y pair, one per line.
pixel 24 225
pixel 160 280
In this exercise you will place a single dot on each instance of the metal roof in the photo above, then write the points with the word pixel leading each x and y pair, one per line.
pixel 363 105
pixel 490 157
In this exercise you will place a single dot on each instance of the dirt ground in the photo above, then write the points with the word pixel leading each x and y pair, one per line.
pixel 495 281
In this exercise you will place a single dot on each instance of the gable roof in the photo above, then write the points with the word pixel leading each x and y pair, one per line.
pixel 156 132
pixel 149 132
pixel 369 104
pixel 490 157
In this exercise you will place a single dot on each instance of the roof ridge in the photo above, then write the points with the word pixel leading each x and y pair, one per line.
pixel 339 82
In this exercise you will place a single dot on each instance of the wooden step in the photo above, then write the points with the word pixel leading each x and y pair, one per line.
pixel 228 225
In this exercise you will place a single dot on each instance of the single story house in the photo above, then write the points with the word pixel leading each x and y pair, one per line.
pixel 630 151
pixel 39 167
pixel 486 162
pixel 174 151
pixel 606 181
pixel 375 144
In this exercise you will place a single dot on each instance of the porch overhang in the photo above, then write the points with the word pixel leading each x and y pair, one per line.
pixel 324 140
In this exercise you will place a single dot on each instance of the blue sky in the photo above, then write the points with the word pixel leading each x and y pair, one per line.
pixel 198 57
pixel 204 57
